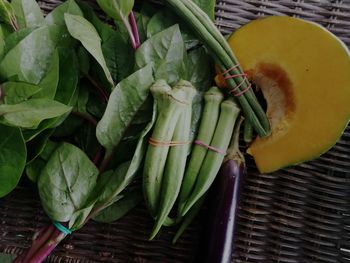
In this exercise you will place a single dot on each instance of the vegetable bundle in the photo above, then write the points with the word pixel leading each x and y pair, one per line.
pixel 86 108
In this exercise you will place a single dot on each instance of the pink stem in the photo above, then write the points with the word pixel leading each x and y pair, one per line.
pixel 136 43
pixel 47 248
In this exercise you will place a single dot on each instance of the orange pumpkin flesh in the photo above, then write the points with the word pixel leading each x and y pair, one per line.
pixel 304 73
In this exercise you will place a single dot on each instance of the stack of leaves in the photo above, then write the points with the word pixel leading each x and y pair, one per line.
pixel 76 106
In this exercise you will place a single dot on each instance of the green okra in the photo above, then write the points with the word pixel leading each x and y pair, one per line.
pixel 212 99
pixel 213 160
pixel 176 160
pixel 169 106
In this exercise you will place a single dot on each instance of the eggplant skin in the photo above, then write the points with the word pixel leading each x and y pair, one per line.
pixel 223 213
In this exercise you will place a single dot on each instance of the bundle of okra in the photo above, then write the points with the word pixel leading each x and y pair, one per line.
pixel 176 174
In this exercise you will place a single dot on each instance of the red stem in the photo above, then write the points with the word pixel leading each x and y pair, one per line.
pixel 135 31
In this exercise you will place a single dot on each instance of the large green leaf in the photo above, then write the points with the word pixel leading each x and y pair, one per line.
pixel 28 13
pixel 49 83
pixel 16 92
pixel 166 52
pixel 32 56
pixel 208 6
pixel 66 182
pixel 82 30
pixel 124 102
pixel 14 38
pixel 12 158
pixel 29 114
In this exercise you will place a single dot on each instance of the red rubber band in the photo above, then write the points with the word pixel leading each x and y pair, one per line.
pixel 238 86
pixel 235 76
pixel 230 69
pixel 200 143
pixel 243 91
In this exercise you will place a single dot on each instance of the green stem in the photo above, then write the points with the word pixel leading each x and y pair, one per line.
pixel 247 132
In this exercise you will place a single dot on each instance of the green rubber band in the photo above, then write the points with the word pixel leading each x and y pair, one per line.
pixel 62 228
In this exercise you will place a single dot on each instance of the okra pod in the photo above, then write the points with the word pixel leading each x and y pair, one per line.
pixel 212 99
pixel 213 160
pixel 176 161
pixel 169 104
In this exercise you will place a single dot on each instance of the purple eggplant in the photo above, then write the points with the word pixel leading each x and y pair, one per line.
pixel 224 200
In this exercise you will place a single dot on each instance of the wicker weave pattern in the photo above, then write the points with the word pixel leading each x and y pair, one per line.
pixel 301 214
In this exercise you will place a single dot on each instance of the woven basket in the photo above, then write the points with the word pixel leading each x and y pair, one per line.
pixel 301 214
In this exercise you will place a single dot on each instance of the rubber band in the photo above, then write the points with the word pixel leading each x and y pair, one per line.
pixel 237 87
pixel 235 76
pixel 200 143
pixel 230 69
pixel 243 91
pixel 156 142
pixel 62 228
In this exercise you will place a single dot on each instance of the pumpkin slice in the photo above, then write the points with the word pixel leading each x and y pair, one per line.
pixel 304 73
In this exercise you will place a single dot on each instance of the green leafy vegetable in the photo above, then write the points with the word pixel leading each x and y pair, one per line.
pixel 31 57
pixel 49 83
pixel 117 9
pixel 82 30
pixel 165 51
pixel 124 102
pixel 16 92
pixel 66 182
pixel 120 208
pixel 56 16
pixel 12 158
pixel 28 13
pixel 30 113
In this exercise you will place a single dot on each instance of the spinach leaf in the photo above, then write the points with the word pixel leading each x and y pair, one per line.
pixel 124 102
pixel 116 49
pixel 116 182
pixel 66 92
pixel 119 56
pixel 29 114
pixel 166 52
pixel 164 19
pixel 56 16
pixel 82 30
pixel 66 181
pixel 117 9
pixel 121 207
pixel 14 38
pixel 31 57
pixel 28 13
pixel 199 68
pixel 83 60
pixel 38 145
pixel 34 167
pixel 49 83
pixel 12 158
pixel 16 92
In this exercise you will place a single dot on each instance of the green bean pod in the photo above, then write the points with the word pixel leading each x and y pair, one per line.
pixel 212 99
pixel 169 106
pixel 213 160
pixel 176 161
pixel 223 55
